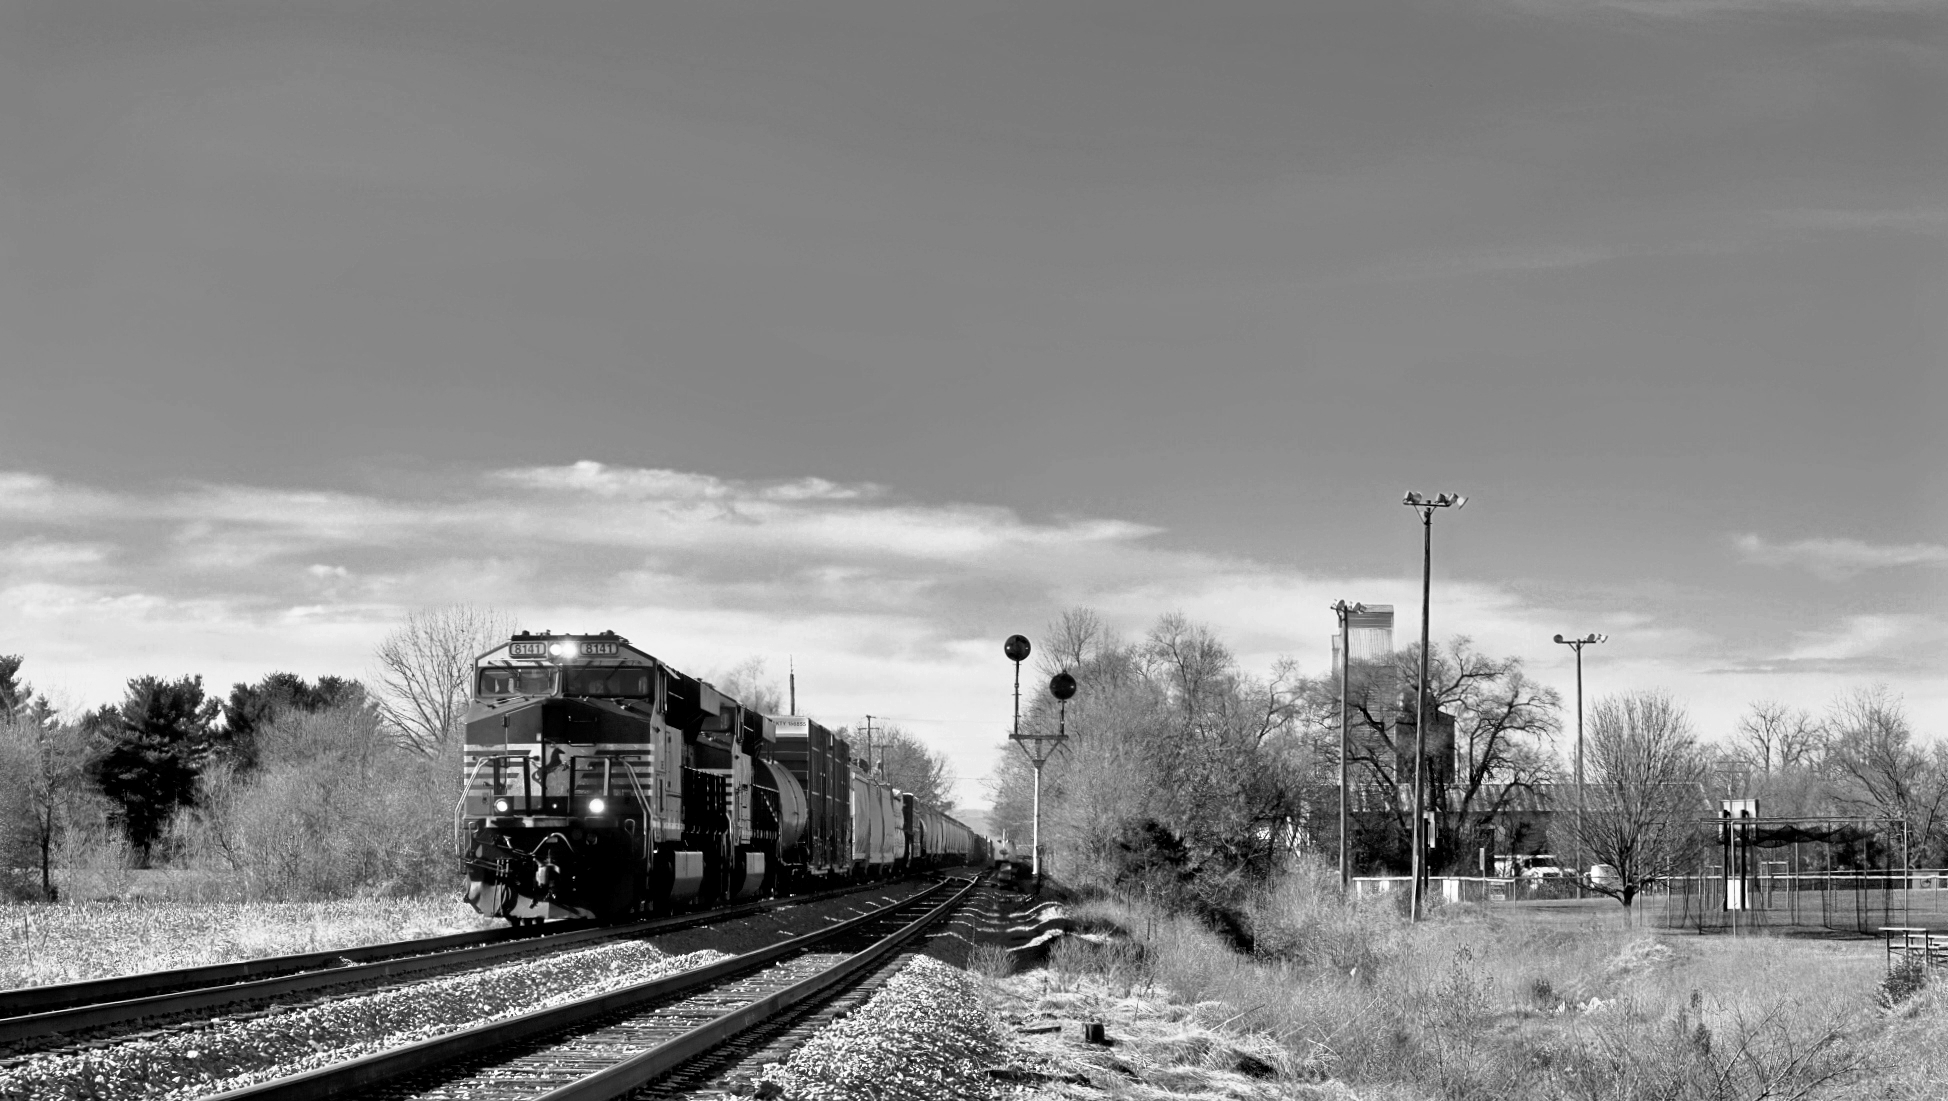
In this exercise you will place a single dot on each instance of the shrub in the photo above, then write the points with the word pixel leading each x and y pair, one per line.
pixel 1902 982
pixel 333 811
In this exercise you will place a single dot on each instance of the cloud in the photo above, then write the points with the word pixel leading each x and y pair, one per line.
pixel 885 603
pixel 1840 559
pixel 1875 645
pixel 43 554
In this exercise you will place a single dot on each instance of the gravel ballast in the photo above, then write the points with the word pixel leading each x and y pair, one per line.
pixel 228 1053
pixel 925 1035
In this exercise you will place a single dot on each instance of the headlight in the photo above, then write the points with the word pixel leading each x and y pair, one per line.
pixel 500 806
pixel 597 806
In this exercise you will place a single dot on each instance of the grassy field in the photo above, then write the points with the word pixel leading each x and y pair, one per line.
pixel 1538 1000
pixel 42 944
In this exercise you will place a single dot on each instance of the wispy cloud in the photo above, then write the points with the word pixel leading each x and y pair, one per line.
pixel 1927 220
pixel 1840 559
pixel 1488 261
pixel 1716 9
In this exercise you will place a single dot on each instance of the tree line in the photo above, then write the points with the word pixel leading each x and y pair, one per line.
pixel 1186 777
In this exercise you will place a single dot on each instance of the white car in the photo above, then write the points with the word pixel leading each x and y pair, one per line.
pixel 1605 875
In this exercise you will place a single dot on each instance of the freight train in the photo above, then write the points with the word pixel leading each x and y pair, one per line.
pixel 601 782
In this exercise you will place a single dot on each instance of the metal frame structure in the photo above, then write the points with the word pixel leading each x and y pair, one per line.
pixel 1702 899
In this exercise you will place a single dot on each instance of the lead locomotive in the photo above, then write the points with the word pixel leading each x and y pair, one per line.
pixel 602 782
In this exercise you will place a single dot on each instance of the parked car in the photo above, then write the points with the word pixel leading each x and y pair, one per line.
pixel 1605 875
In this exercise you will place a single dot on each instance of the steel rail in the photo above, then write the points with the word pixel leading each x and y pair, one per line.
pixel 39 999
pixel 365 1072
pixel 101 1014
pixel 619 1080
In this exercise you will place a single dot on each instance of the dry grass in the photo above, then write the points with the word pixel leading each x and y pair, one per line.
pixel 42 944
pixel 1476 1004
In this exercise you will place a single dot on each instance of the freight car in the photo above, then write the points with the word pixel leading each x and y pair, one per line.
pixel 600 782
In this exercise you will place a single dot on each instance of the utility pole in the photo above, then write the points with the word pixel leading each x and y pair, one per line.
pixel 1425 506
pixel 870 770
pixel 792 664
pixel 1577 645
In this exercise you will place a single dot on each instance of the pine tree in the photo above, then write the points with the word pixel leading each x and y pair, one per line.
pixel 150 750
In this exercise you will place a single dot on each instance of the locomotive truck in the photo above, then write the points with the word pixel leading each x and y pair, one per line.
pixel 601 782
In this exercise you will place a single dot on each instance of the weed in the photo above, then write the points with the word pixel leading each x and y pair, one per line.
pixel 990 961
pixel 1902 982
pixel 1476 1002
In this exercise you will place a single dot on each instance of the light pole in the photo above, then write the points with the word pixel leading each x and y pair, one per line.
pixel 1345 612
pixel 1577 645
pixel 1425 506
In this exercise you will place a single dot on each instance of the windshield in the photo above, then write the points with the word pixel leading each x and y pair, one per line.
pixel 517 682
pixel 592 680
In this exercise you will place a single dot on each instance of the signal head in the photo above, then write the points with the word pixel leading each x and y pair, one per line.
pixel 1016 648
pixel 1061 685
pixel 1558 638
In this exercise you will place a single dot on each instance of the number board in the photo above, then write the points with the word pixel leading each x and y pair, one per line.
pixel 573 648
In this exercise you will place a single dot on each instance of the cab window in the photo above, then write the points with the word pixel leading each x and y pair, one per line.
pixel 630 682
pixel 516 682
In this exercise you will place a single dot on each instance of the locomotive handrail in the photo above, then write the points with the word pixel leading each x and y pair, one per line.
pixel 642 822
pixel 460 808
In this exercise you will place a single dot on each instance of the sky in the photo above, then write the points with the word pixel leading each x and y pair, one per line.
pixel 857 337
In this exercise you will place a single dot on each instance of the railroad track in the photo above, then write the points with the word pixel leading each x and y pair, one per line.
pixel 33 1018
pixel 609 1045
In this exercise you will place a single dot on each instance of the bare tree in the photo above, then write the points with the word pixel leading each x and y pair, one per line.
pixel 1646 776
pixel 1877 767
pixel 1169 742
pixel 746 683
pixel 905 762
pixel 1772 736
pixel 42 776
pixel 1504 723
pixel 1073 640
pixel 426 671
